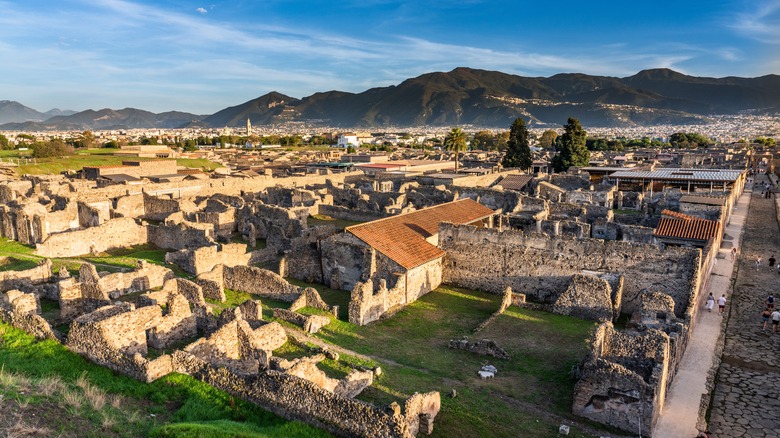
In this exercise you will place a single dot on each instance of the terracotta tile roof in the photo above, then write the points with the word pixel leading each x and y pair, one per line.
pixel 515 182
pixel 682 226
pixel 402 237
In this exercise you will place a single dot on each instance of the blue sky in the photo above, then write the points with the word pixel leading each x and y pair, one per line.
pixel 202 56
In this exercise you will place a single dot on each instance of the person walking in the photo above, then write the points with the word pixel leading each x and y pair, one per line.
pixel 758 263
pixel 721 304
pixel 770 302
pixel 765 317
pixel 734 254
pixel 710 302
pixel 775 320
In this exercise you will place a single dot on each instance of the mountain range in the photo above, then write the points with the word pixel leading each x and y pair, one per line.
pixel 463 96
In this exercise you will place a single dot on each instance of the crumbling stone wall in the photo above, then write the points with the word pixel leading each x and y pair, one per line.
pixel 21 279
pixel 260 282
pixel 22 310
pixel 157 208
pixel 115 233
pixel 178 234
pixel 346 260
pixel 204 259
pixel 299 399
pixel 115 336
pixel 623 381
pixel 145 276
pixel 587 297
pixel 176 325
pixel 129 206
pixel 540 266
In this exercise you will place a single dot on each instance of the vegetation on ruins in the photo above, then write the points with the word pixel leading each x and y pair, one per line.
pixel 571 147
pixel 487 141
pixel 518 152
pixel 455 141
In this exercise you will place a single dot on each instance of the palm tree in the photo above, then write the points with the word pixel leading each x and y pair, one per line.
pixel 455 141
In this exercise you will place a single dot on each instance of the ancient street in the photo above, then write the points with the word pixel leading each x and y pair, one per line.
pixel 745 401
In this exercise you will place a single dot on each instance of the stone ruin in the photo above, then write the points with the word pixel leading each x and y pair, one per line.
pixel 233 352
pixel 623 381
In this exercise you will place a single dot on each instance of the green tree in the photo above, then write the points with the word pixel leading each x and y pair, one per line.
pixel 51 148
pixel 455 141
pixel 4 143
pixel 547 140
pixel 502 140
pixel 571 147
pixel 518 152
pixel 484 140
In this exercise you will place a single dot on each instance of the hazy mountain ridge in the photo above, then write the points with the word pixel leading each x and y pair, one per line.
pixel 466 96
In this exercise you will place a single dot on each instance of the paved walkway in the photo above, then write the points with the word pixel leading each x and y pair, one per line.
pixel 681 409
pixel 746 400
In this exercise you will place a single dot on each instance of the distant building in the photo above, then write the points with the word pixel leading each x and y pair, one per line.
pixel 248 127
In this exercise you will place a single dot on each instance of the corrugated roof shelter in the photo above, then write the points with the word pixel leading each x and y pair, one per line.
pixel 677 227
pixel 404 238
pixel 685 179
pixel 515 182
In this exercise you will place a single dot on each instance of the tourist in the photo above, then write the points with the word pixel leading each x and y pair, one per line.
pixel 758 263
pixel 721 304
pixel 775 320
pixel 710 302
pixel 770 301
pixel 734 254
pixel 765 316
pixel 771 261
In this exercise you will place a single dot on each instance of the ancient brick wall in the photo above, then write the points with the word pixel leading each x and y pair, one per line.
pixel 115 233
pixel 204 259
pixel 146 276
pixel 346 260
pixel 181 234
pixel 260 282
pixel 17 279
pixel 540 266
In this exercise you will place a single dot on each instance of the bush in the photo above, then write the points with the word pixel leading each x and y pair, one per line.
pixel 51 148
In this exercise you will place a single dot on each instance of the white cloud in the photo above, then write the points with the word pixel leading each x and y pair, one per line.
pixel 201 10
pixel 761 23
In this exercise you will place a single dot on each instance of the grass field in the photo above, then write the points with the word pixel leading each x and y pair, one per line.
pixel 89 157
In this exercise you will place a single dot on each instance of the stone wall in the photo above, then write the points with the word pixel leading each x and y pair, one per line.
pixel 145 276
pixel 587 297
pixel 115 233
pixel 20 279
pixel 299 399
pixel 204 259
pixel 539 266
pixel 260 282
pixel 180 234
pixel 623 381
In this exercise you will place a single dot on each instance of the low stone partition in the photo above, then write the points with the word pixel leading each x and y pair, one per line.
pixel 21 310
pixel 299 399
pixel 485 347
pixel 306 368
pixel 204 259
pixel 310 323
pixel 144 277
pixel 18 279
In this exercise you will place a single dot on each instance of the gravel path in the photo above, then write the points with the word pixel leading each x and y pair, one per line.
pixel 746 400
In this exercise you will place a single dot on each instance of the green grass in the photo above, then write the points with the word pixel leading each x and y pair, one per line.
pixel 94 157
pixel 171 400
pixel 412 349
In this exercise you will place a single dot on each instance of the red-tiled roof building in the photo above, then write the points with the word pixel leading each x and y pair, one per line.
pixel 399 254
pixel 682 229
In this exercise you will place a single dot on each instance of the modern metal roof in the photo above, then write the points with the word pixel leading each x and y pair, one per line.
pixel 678 174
